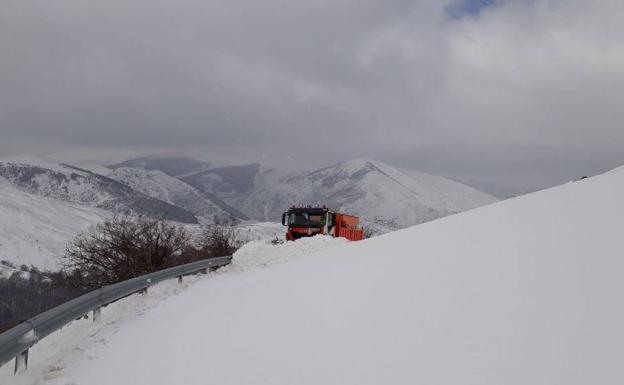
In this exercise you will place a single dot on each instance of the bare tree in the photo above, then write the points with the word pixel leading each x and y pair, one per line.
pixel 125 247
pixel 219 239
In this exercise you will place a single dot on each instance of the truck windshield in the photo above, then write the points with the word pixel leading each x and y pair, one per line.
pixel 306 220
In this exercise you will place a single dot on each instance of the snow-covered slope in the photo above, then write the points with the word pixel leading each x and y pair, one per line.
pixel 386 198
pixel 75 185
pixel 525 291
pixel 383 196
pixel 157 184
pixel 35 230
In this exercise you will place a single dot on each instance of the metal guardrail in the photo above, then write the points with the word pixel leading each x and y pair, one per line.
pixel 15 342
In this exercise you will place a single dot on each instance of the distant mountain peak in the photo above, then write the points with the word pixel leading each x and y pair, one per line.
pixel 171 165
pixel 382 195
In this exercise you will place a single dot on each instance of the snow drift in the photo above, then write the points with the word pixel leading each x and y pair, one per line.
pixel 525 291
pixel 262 253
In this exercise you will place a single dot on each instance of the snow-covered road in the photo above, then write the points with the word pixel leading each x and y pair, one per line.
pixel 54 354
pixel 525 291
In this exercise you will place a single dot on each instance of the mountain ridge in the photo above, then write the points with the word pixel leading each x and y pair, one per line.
pixel 264 193
pixel 76 185
pixel 175 191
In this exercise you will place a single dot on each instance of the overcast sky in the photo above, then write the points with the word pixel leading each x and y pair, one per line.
pixel 516 92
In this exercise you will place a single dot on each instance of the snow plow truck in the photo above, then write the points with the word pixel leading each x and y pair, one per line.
pixel 310 221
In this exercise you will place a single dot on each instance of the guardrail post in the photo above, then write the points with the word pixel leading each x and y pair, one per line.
pixel 149 282
pixel 97 315
pixel 180 279
pixel 21 362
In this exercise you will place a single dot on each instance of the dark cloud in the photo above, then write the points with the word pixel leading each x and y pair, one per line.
pixel 460 8
pixel 521 92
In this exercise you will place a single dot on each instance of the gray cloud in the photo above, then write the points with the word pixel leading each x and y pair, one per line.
pixel 524 93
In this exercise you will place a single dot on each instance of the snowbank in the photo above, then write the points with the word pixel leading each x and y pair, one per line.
pixel 255 231
pixel 258 254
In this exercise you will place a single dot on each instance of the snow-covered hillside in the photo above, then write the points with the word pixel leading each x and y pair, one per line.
pixel 157 184
pixel 386 198
pixel 75 185
pixel 35 230
pixel 45 205
pixel 525 291
pixel 383 196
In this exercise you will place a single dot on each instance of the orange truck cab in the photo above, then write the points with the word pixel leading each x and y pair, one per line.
pixel 309 221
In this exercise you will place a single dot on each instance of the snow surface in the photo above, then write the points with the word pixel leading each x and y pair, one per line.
pixel 257 231
pixel 262 253
pixel 525 291
pixel 35 230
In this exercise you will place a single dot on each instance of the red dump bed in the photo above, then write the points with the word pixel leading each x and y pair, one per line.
pixel 347 227
pixel 347 221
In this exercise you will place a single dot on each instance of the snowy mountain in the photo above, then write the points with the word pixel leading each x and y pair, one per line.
pixel 385 197
pixel 83 187
pixel 45 204
pixel 35 230
pixel 68 199
pixel 524 291
pixel 157 184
